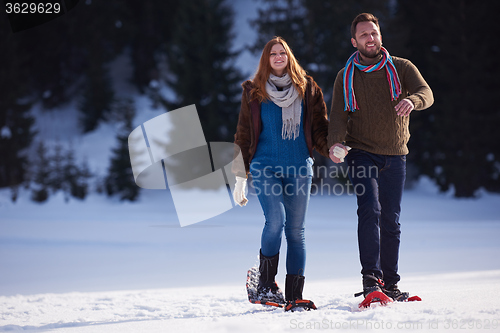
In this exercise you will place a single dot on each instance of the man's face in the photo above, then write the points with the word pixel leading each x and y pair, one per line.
pixel 368 39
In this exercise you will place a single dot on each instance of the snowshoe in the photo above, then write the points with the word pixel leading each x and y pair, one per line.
pixel 399 296
pixel 300 304
pixel 372 291
pixel 272 296
pixel 375 297
pixel 396 294
pixel 294 285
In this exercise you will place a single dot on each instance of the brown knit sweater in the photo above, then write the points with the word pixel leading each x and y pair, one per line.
pixel 376 127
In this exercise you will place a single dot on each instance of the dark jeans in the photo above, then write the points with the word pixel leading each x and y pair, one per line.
pixel 284 200
pixel 378 181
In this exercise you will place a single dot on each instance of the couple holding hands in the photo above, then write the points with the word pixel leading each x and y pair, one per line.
pixel 283 117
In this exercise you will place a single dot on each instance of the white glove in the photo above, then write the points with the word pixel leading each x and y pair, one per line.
pixel 340 153
pixel 239 192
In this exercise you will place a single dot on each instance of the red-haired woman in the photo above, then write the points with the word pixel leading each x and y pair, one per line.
pixel 283 117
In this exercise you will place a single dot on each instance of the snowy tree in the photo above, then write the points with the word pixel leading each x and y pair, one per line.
pixel 41 175
pixel 120 179
pixel 75 178
pixel 57 171
pixel 57 164
pixel 97 98
pixel 16 133
pixel 15 138
pixel 200 62
pixel 455 142
pixel 153 24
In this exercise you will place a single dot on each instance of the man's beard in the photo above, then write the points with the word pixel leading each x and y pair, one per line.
pixel 371 55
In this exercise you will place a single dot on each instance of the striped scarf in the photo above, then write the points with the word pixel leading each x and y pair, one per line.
pixel 392 77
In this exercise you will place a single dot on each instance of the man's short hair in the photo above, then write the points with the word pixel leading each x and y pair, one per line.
pixel 363 17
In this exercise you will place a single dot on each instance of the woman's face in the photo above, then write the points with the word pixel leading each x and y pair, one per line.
pixel 278 59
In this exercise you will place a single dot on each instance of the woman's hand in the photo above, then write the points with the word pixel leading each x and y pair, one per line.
pixel 240 191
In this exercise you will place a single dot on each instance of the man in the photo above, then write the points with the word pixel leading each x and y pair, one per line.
pixel 373 97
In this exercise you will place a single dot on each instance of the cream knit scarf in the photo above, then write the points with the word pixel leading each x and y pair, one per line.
pixel 289 101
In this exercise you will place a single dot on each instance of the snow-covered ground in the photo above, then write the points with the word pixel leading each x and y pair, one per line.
pixel 105 266
pixel 451 302
pixel 101 265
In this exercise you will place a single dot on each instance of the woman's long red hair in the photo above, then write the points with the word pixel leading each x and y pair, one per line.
pixel 294 70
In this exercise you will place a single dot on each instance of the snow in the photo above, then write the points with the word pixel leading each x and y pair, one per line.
pixel 225 309
pixel 101 265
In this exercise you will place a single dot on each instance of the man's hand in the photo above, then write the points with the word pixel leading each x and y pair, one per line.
pixel 338 152
pixel 404 108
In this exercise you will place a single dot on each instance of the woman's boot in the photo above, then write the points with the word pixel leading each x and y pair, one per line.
pixel 268 289
pixel 294 285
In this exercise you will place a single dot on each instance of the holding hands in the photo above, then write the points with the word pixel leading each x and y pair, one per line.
pixel 338 152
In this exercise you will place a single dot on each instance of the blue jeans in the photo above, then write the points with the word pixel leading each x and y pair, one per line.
pixel 378 181
pixel 284 200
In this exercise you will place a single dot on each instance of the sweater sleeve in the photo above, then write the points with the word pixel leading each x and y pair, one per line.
pixel 419 91
pixel 338 117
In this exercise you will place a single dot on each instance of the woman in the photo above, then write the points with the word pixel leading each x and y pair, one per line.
pixel 282 119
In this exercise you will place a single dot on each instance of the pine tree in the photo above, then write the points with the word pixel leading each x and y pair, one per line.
pixel 57 54
pixel 41 175
pixel 153 23
pixel 200 60
pixel 57 171
pixel 97 97
pixel 16 133
pixel 455 142
pixel 120 179
pixel 57 164
pixel 74 177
